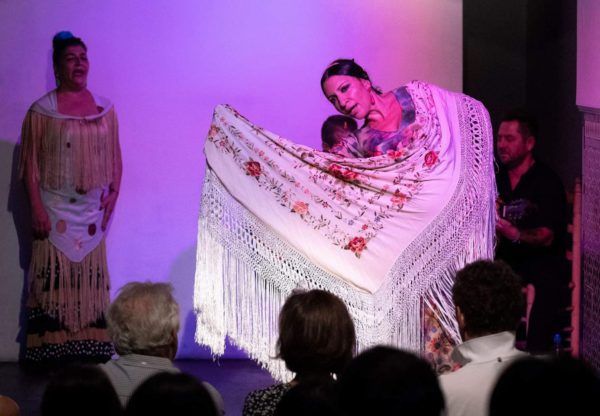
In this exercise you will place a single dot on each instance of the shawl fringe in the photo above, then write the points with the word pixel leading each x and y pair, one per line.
pixel 78 153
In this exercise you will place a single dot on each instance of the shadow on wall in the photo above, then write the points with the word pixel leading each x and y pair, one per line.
pixel 182 277
pixel 18 206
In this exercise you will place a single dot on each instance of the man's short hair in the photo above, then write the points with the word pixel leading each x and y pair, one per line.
pixel 143 318
pixel 490 297
pixel 528 125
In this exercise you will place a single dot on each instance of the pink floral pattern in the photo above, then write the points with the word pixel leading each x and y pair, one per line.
pixel 399 199
pixel 430 159
pixel 253 168
pixel 300 208
pixel 356 245
pixel 342 173
pixel 367 192
pixel 395 154
pixel 438 345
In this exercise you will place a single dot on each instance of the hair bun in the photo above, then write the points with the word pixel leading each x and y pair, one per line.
pixel 61 37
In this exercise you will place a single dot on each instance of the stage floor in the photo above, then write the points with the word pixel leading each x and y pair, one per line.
pixel 233 378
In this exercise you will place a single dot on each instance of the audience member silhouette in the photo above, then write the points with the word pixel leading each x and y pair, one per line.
pixel 80 390
pixel 388 381
pixel 310 399
pixel 549 387
pixel 8 407
pixel 171 394
pixel 316 341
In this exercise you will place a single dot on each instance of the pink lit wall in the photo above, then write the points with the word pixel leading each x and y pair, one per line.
pixel 166 64
pixel 588 53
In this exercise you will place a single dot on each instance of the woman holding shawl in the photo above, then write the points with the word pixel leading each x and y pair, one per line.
pixel 71 165
pixel 389 129
pixel 385 232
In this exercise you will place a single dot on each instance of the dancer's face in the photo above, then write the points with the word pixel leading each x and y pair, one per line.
pixel 349 95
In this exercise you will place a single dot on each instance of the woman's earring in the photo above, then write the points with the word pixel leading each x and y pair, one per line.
pixel 372 99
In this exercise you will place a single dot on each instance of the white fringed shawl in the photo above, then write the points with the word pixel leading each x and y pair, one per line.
pixel 385 234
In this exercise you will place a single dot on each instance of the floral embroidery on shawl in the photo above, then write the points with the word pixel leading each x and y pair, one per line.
pixel 258 236
pixel 365 195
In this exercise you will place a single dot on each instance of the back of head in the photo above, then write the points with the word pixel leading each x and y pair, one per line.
pixel 144 319
pixel 528 125
pixel 316 334
pixel 61 41
pixel 559 386
pixel 80 390
pixel 331 128
pixel 8 407
pixel 388 381
pixel 310 399
pixel 489 296
pixel 171 394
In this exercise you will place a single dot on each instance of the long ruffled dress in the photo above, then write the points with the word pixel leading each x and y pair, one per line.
pixel 74 159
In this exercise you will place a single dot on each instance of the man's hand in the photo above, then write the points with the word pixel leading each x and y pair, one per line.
pixel 507 230
pixel 541 236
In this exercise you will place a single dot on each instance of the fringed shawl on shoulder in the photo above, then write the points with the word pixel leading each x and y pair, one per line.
pixel 385 234
pixel 69 151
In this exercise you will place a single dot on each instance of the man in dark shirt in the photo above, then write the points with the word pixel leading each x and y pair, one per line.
pixel 532 226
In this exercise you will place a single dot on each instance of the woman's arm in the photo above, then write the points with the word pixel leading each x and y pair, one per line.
pixel 109 200
pixel 31 137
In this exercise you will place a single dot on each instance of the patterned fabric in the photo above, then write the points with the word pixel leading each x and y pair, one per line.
pixel 263 402
pixel 385 234
pixel 374 142
pixel 438 345
pixel 50 341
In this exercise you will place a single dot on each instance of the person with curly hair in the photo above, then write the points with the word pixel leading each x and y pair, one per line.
pixel 489 303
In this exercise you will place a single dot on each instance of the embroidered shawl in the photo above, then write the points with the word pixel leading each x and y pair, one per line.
pixel 386 234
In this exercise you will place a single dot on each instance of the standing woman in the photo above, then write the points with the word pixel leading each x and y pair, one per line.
pixel 71 165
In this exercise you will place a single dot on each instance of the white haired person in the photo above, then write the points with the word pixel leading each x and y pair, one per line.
pixel 143 322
